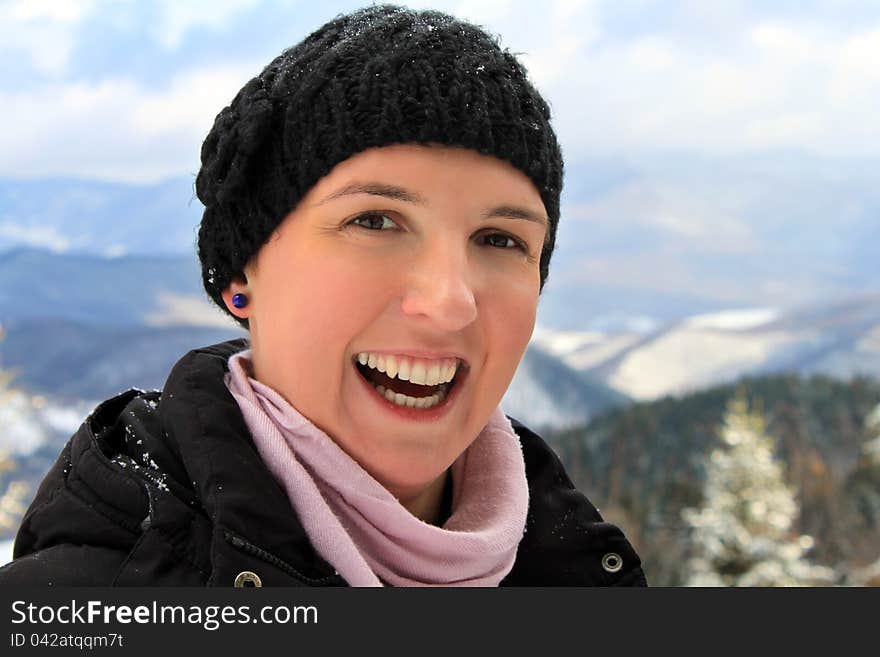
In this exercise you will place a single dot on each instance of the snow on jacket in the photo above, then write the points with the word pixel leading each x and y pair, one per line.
pixel 165 489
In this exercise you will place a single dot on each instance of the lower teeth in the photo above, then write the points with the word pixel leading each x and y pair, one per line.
pixel 412 402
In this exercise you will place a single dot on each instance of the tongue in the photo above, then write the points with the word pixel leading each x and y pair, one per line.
pixel 404 387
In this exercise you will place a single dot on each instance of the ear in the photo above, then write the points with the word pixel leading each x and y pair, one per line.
pixel 238 285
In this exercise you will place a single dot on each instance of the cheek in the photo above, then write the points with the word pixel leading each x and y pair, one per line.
pixel 330 301
pixel 510 313
pixel 340 293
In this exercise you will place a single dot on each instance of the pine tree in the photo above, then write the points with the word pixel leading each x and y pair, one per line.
pixel 871 449
pixel 742 535
pixel 867 497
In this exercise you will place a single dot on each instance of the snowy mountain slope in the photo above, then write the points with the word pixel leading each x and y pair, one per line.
pixel 120 291
pixel 74 360
pixel 548 394
pixel 689 358
pixel 71 360
pixel 72 321
pixel 841 339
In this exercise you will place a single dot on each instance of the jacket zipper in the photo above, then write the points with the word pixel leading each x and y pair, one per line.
pixel 260 553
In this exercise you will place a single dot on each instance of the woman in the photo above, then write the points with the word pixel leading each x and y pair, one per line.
pixel 381 205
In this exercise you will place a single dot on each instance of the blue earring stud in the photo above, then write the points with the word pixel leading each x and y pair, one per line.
pixel 239 300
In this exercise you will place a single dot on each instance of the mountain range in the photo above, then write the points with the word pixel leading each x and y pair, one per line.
pixel 839 339
pixel 640 243
pixel 631 409
pixel 73 321
pixel 657 296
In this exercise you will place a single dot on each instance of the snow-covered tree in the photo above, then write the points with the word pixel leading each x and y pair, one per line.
pixel 12 499
pixel 868 497
pixel 12 493
pixel 871 449
pixel 742 535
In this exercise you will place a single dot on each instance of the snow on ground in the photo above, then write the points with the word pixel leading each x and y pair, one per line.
pixel 560 343
pixel 6 551
pixel 714 348
pixel 688 358
pixel 735 320
pixel 22 432
pixel 582 350
pixel 534 405
pixel 594 355
pixel 29 420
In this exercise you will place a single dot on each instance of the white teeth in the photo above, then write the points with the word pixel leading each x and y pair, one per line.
pixel 417 373
pixel 432 376
pixel 422 372
pixel 411 402
pixel 403 371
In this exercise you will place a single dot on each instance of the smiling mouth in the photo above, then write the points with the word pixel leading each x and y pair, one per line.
pixel 406 393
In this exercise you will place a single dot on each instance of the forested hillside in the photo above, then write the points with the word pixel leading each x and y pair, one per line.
pixel 643 464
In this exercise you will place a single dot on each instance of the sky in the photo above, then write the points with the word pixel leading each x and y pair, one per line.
pixel 725 126
pixel 127 90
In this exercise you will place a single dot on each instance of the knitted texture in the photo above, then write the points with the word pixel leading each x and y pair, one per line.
pixel 380 76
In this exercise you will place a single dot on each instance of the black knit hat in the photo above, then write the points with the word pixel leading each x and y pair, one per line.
pixel 382 75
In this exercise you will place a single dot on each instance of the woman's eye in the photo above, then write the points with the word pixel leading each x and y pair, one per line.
pixel 502 241
pixel 373 221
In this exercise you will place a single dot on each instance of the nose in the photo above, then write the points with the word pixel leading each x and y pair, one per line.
pixel 438 288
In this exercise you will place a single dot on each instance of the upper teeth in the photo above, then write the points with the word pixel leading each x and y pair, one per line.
pixel 416 370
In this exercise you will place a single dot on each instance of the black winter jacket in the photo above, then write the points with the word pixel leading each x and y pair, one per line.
pixel 162 489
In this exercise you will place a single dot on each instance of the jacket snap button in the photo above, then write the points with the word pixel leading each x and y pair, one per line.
pixel 612 562
pixel 247 579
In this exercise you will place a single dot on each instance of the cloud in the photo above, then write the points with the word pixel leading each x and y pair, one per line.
pixel 769 86
pixel 45 31
pixel 711 79
pixel 480 13
pixel 36 236
pixel 175 18
pixel 48 32
pixel 57 11
pixel 115 129
pixel 544 35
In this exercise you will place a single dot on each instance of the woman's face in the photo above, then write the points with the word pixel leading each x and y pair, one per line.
pixel 420 258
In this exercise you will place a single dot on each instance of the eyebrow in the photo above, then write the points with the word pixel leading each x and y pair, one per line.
pixel 514 212
pixel 400 194
pixel 376 189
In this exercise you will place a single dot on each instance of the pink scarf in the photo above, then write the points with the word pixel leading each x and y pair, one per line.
pixel 356 525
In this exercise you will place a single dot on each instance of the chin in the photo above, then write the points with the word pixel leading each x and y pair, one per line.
pixel 407 477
